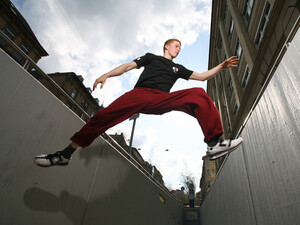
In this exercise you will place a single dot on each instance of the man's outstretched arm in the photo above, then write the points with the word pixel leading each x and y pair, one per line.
pixel 231 62
pixel 115 72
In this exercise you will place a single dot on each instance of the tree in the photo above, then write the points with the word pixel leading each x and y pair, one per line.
pixel 189 185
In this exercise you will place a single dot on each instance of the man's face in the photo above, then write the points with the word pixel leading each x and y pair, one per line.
pixel 173 48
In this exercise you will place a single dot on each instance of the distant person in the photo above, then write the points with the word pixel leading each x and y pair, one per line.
pixel 151 95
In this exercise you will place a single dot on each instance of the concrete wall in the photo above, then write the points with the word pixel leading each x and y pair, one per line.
pixel 100 186
pixel 259 184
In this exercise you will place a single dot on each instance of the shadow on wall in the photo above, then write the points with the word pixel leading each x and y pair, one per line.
pixel 117 193
pixel 41 200
pixel 88 154
pixel 111 172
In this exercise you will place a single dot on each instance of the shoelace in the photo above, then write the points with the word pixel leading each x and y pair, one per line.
pixel 221 143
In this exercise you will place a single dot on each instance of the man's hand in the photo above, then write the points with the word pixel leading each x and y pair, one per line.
pixel 101 80
pixel 115 72
pixel 230 62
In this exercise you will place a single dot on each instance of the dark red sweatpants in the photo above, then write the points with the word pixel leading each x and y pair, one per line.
pixel 194 102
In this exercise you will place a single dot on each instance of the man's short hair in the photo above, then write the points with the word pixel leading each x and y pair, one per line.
pixel 169 42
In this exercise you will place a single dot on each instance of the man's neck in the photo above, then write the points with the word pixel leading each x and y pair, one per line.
pixel 167 56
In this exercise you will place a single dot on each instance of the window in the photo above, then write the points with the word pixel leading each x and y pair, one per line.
pixel 238 49
pixel 208 173
pixel 221 82
pixel 263 23
pixel 245 79
pixel 230 86
pixel 13 9
pixel 230 29
pixel 224 100
pixel 74 93
pixel 220 43
pixel 225 113
pixel 84 104
pixel 235 109
pixel 24 48
pixel 225 10
pixel 217 104
pixel 228 126
pixel 247 10
pixel 226 119
pixel 17 57
pixel 8 32
pixel 2 42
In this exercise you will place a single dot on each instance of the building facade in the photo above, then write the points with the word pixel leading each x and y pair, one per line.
pixel 209 172
pixel 14 27
pixel 72 84
pixel 257 32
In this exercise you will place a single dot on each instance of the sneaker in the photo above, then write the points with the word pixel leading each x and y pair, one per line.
pixel 51 159
pixel 223 147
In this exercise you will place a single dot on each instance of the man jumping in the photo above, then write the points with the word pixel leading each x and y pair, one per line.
pixel 151 95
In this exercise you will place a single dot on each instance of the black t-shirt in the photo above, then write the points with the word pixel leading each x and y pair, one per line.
pixel 159 72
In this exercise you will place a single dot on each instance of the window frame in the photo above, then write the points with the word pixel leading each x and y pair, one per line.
pixel 8 33
pixel 74 95
pixel 263 23
pixel 245 79
pixel 248 7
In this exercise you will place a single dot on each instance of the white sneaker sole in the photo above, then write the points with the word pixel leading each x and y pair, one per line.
pixel 42 161
pixel 218 155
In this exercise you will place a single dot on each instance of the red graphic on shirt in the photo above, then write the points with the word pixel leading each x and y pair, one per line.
pixel 138 58
pixel 175 69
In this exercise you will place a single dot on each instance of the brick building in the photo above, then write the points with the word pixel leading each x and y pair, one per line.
pixel 83 104
pixel 13 26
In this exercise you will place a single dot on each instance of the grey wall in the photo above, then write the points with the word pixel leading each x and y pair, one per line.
pixel 100 186
pixel 260 182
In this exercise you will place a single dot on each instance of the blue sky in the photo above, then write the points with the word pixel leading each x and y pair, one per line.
pixel 92 37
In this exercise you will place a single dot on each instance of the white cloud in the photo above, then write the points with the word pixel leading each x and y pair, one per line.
pixel 88 36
